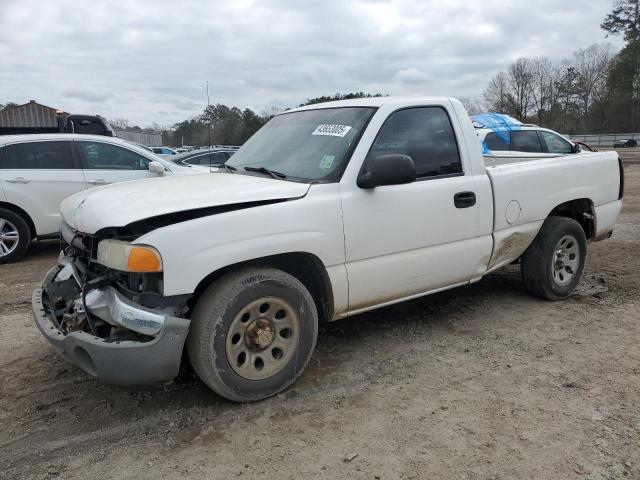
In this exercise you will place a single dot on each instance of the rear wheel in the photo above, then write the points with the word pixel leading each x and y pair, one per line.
pixel 553 264
pixel 15 236
pixel 252 333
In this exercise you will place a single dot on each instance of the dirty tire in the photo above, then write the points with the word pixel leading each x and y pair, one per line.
pixel 216 311
pixel 537 262
pixel 7 217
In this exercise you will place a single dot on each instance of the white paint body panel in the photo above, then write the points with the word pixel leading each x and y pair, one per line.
pixel 41 196
pixel 378 246
pixel 311 224
pixel 123 203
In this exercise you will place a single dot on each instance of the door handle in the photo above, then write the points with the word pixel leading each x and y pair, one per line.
pixel 98 182
pixel 19 180
pixel 464 199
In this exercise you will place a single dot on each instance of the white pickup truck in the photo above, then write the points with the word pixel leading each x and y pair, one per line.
pixel 329 210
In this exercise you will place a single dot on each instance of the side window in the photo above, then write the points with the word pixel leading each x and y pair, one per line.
pixel 54 155
pixel 495 142
pixel 426 135
pixel 555 144
pixel 10 156
pixel 525 141
pixel 88 127
pixel 199 160
pixel 104 156
pixel 219 158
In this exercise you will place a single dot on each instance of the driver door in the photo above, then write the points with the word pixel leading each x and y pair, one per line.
pixel 105 163
pixel 405 240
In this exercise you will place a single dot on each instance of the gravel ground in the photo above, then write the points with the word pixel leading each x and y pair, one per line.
pixel 479 382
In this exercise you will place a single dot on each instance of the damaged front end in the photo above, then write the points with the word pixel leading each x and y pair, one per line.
pixel 113 323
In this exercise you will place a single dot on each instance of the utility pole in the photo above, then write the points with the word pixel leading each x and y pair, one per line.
pixel 209 114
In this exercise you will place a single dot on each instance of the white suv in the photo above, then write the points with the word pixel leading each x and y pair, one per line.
pixel 38 171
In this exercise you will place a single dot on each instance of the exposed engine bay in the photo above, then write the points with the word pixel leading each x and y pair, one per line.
pixel 83 295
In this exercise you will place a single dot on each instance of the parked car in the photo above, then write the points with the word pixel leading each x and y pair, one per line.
pixel 163 151
pixel 327 211
pixel 37 171
pixel 625 143
pixel 506 134
pixel 207 158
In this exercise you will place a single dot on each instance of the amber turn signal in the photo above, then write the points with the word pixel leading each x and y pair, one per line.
pixel 143 260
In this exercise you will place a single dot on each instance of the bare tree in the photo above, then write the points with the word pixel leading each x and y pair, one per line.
pixel 271 111
pixel 473 105
pixel 591 67
pixel 120 123
pixel 520 74
pixel 542 84
pixel 497 95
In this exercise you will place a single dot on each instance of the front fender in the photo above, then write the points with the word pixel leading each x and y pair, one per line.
pixel 192 250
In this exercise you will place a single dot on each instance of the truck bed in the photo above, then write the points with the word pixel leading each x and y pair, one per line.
pixel 527 189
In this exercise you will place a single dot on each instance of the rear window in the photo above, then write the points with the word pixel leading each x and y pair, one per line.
pixel 54 155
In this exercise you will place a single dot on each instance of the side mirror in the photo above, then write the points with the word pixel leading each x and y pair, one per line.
pixel 575 148
pixel 156 167
pixel 392 169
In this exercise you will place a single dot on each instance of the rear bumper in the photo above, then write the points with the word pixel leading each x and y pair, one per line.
pixel 118 362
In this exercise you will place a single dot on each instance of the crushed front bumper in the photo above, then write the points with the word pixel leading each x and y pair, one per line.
pixel 123 362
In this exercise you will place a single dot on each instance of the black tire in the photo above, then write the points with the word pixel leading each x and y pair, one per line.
pixel 537 265
pixel 219 307
pixel 24 236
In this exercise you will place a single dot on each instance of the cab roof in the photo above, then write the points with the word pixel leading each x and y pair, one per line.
pixel 373 102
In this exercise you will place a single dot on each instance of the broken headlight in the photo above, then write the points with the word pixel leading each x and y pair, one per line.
pixel 128 257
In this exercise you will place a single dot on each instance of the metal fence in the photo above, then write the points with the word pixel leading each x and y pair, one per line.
pixel 604 139
pixel 146 139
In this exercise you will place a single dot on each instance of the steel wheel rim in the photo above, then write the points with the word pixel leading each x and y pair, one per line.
pixel 9 237
pixel 262 338
pixel 565 261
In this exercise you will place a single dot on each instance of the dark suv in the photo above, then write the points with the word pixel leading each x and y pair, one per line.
pixel 625 143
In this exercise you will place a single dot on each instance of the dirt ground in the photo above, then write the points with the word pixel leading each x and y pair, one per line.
pixel 482 382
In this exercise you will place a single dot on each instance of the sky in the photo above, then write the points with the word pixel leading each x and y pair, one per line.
pixel 148 62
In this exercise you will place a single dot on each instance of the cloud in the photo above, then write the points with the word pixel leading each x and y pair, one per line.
pixel 411 75
pixel 152 65
pixel 86 96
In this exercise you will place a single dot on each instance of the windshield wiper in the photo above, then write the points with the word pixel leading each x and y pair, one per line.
pixel 266 171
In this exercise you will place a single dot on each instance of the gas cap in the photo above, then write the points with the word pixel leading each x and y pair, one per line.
pixel 512 213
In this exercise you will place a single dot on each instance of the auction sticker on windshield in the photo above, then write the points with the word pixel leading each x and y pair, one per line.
pixel 331 130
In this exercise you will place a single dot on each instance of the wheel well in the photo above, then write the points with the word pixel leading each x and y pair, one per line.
pixel 306 267
pixel 23 214
pixel 582 211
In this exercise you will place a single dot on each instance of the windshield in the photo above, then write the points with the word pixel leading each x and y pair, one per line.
pixel 311 145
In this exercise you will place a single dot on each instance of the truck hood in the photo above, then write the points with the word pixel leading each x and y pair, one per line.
pixel 120 204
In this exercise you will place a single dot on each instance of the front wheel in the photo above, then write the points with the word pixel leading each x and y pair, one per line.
pixel 252 333
pixel 553 264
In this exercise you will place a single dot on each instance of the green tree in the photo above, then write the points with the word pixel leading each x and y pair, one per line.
pixel 339 96
pixel 7 105
pixel 623 83
pixel 624 20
